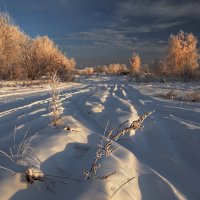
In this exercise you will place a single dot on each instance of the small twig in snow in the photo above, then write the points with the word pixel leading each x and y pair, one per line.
pixel 121 187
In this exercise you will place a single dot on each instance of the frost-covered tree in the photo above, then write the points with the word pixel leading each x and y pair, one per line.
pixel 183 55
pixel 23 57
pixel 11 41
pixel 42 56
pixel 135 63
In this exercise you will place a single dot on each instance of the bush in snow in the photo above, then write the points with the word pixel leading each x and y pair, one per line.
pixel 56 109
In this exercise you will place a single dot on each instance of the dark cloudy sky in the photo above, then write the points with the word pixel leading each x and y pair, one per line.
pixel 106 31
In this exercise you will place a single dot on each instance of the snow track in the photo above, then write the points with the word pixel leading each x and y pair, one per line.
pixel 164 158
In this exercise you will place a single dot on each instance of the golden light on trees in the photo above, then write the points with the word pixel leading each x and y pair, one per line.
pixel 183 55
pixel 135 63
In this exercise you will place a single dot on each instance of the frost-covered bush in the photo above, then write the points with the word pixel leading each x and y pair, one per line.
pixel 183 56
pixel 42 56
pixel 56 109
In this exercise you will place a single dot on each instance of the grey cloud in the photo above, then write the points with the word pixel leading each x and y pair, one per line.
pixel 104 37
pixel 109 42
pixel 151 27
pixel 164 9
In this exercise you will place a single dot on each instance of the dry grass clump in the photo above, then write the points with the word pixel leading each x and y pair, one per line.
pixel 195 96
pixel 170 95
pixel 33 174
pixel 24 83
pixel 25 163
pixel 108 146
pixel 20 156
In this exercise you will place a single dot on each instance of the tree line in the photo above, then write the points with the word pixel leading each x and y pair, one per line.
pixel 23 57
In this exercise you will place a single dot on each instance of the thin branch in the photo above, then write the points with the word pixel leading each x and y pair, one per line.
pixel 121 187
pixel 5 154
pixel 4 168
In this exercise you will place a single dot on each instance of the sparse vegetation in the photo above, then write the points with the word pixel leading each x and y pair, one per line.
pixel 181 95
pixel 20 155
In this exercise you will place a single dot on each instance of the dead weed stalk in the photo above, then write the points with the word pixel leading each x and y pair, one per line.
pixel 107 146
pixel 56 109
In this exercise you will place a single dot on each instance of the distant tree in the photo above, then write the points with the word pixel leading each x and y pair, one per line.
pixel 135 64
pixel 183 55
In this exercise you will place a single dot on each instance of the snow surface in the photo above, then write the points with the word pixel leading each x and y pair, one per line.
pixel 189 91
pixel 164 158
